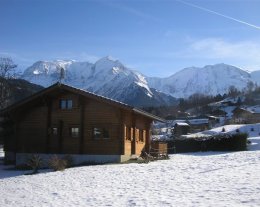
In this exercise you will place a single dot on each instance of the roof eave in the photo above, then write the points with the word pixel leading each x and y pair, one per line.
pixel 151 116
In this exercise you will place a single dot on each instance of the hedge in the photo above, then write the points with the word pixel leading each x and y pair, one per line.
pixel 222 142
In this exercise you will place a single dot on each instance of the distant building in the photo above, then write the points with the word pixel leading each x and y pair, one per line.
pixel 246 115
pixel 213 121
pixel 181 128
pixel 198 125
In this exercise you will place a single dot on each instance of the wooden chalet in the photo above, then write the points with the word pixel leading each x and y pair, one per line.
pixel 246 115
pixel 181 128
pixel 65 120
pixel 198 125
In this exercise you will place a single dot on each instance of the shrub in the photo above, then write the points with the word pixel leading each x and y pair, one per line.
pixel 221 142
pixel 69 160
pixel 34 162
pixel 57 164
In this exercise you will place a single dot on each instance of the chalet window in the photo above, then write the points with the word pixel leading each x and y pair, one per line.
pixel 66 104
pixel 100 133
pixel 69 104
pixel 54 131
pixel 74 131
pixel 97 133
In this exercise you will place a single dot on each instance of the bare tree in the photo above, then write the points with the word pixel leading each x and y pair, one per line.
pixel 7 72
pixel 233 91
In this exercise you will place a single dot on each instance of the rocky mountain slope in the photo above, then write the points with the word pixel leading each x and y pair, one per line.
pixel 110 78
pixel 106 77
pixel 210 80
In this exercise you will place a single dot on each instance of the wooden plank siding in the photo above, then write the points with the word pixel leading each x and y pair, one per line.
pixel 31 130
pixel 135 127
pixel 129 132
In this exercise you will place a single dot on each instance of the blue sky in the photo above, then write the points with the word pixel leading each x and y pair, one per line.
pixel 155 37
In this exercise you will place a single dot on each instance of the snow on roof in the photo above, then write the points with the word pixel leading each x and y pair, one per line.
pixel 182 124
pixel 213 117
pixel 253 109
pixel 229 129
pixel 198 121
pixel 178 121
pixel 227 100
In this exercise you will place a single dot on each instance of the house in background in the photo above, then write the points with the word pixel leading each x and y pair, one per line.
pixel 181 128
pixel 198 125
pixel 247 115
pixel 68 121
pixel 214 121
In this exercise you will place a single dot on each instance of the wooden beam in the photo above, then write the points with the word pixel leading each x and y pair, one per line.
pixel 48 128
pixel 148 136
pixel 121 131
pixel 133 142
pixel 82 124
pixel 60 136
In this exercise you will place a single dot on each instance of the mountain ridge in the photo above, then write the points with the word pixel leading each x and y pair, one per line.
pixel 106 77
pixel 111 78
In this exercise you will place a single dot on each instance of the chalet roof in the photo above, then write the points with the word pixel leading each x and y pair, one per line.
pixel 248 109
pixel 182 124
pixel 254 109
pixel 84 93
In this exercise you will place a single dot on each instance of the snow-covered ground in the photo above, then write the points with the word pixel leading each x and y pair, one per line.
pixel 253 130
pixel 191 179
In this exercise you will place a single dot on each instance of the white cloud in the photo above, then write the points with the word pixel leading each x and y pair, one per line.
pixel 87 57
pixel 245 54
pixel 218 48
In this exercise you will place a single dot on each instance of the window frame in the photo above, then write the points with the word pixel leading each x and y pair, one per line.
pixel 73 133
pixel 65 104
pixel 103 130
pixel 54 131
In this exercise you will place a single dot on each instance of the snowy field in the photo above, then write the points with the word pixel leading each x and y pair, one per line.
pixel 191 179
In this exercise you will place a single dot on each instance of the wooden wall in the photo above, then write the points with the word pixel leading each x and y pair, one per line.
pixel 34 129
pixel 134 126
pixel 98 114
pixel 64 119
pixel 31 130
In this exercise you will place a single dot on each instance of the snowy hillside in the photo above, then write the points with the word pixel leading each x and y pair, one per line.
pixel 253 130
pixel 210 80
pixel 189 179
pixel 256 76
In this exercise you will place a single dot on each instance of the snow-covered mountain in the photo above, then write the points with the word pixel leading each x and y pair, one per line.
pixel 256 76
pixel 107 77
pixel 110 78
pixel 211 80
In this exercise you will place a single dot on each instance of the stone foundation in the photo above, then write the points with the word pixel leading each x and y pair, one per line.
pixel 22 158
